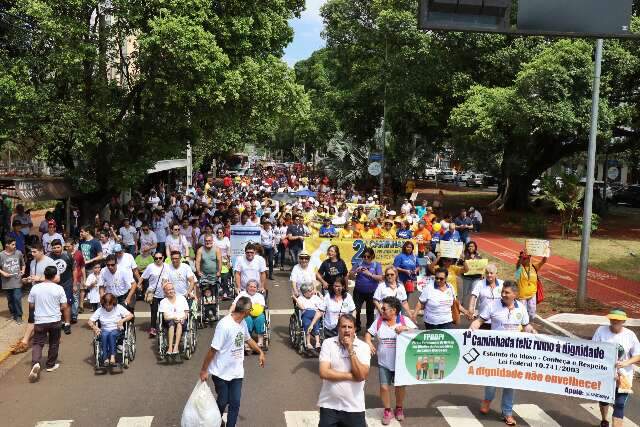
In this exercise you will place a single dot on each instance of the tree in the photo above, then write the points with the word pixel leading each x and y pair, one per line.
pixel 106 89
pixel 565 194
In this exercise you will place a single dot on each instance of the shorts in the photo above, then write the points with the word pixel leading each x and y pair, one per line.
pixel 387 376
pixel 618 405
pixel 173 322
pixel 68 292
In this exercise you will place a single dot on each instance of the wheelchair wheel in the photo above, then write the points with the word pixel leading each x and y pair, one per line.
pixel 294 331
pixel 131 342
pixel 161 339
pixel 193 334
pixel 267 331
pixel 96 354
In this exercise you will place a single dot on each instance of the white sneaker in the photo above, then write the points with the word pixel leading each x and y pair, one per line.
pixel 53 368
pixel 35 373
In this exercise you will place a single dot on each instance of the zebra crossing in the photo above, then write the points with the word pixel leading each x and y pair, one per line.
pixel 455 416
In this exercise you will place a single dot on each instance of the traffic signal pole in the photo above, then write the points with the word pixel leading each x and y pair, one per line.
pixel 591 165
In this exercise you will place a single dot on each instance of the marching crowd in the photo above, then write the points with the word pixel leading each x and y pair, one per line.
pixel 161 245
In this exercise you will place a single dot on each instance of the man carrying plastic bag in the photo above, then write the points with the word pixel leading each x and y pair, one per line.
pixel 224 361
pixel 201 409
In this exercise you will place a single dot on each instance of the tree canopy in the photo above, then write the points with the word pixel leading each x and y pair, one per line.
pixel 108 88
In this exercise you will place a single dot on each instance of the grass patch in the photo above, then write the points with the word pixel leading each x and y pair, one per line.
pixel 610 255
pixel 558 299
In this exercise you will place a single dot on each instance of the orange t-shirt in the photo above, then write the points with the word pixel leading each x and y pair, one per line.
pixel 422 236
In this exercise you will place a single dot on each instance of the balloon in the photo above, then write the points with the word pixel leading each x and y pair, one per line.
pixel 437 226
pixel 256 310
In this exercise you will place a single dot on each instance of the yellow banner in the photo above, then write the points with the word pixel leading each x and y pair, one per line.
pixel 476 266
pixel 351 249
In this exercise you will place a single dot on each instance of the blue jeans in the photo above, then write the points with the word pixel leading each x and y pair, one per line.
pixel 307 318
pixel 108 343
pixel 229 393
pixel 507 398
pixel 14 299
pixel 256 324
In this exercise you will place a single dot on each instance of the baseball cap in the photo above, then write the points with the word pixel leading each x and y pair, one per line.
pixel 617 314
pixel 117 247
pixel 51 222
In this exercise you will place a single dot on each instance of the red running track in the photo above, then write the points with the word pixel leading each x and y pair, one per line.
pixel 602 286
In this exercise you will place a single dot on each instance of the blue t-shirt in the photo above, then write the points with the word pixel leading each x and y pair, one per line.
pixel 420 211
pixel 464 221
pixel 407 262
pixel 328 230
pixel 90 250
pixel 455 236
pixel 364 283
pixel 404 234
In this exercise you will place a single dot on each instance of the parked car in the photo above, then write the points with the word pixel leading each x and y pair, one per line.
pixel 475 180
pixel 490 180
pixel 447 175
pixel 629 196
pixel 430 172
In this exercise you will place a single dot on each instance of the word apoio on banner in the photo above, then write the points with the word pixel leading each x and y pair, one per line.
pixel 527 343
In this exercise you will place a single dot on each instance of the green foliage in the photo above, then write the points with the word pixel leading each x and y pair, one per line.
pixel 534 225
pixel 108 90
pixel 566 194
pixel 595 223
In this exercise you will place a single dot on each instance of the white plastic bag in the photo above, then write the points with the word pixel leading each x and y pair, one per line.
pixel 201 409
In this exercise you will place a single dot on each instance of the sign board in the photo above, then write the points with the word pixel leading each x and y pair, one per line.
pixel 375 168
pixel 537 247
pixel 450 249
pixel 44 189
pixel 241 235
pixel 476 266
pixel 375 157
pixel 535 362
pixel 613 172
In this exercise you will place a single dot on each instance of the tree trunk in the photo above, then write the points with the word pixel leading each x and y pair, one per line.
pixel 514 193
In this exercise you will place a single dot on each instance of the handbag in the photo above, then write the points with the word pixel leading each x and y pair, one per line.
pixel 455 311
pixel 539 289
pixel 148 297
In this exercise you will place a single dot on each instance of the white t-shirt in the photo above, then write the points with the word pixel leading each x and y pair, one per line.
pixel 128 235
pixel 176 309
pixel 333 309
pixel 47 297
pixel 346 396
pixel 155 275
pixel 160 227
pixel 503 319
pixel 228 341
pixel 118 283
pixel 47 239
pixel 155 201
pixel 256 298
pixel 628 345
pixel 179 277
pixel 312 303
pixel 109 319
pixel 148 239
pixel 224 244
pixel 301 275
pixel 92 285
pixel 437 304
pixel 250 270
pixel 37 267
pixel 485 294
pixel 179 243
pixel 107 248
pixel 126 261
pixel 383 291
pixel 387 341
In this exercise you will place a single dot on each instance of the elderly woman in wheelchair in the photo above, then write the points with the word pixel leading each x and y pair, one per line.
pixel 111 318
pixel 175 312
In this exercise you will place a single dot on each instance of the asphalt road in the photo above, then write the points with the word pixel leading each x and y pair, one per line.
pixel 155 393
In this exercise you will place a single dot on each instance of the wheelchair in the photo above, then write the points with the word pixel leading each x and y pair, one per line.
pixel 125 347
pixel 188 341
pixel 297 334
pixel 209 302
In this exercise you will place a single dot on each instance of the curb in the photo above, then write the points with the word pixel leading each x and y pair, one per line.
pixel 561 331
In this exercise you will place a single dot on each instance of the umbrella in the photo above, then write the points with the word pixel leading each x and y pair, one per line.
pixel 284 197
pixel 305 193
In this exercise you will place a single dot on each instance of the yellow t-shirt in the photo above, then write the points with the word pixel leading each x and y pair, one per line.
pixel 452 278
pixel 367 234
pixel 345 234
pixel 527 280
pixel 387 234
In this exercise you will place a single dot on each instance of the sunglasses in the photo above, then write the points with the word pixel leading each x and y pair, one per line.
pixel 390 274
pixel 367 257
pixel 441 278
pixel 304 258
pixel 111 265
pixel 158 258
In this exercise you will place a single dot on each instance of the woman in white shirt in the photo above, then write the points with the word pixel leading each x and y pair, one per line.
pixel 438 301
pixel 302 273
pixel 112 317
pixel 391 287
pixel 256 321
pixel 224 244
pixel 386 328
pixel 308 302
pixel 279 234
pixel 176 242
pixel 335 303
pixel 175 310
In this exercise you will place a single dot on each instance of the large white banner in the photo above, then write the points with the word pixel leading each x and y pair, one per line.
pixel 536 362
pixel 241 235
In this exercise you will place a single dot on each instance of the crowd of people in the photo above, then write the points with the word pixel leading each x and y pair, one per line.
pixel 161 244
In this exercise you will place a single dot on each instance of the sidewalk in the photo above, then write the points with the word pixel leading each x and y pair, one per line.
pixel 602 286
pixel 10 332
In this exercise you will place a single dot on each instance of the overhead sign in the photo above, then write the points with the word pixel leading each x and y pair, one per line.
pixel 375 168
pixel 613 172
pixel 375 157
pixel 44 189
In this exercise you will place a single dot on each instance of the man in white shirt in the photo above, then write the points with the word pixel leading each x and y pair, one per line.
pixel 148 239
pixel 118 281
pixel 50 236
pixel 125 260
pixel 505 314
pixel 344 367
pixel 181 275
pixel 250 267
pixel 224 360
pixel 48 301
pixel 128 236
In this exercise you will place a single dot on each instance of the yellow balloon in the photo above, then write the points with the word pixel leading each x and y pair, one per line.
pixel 256 310
pixel 437 226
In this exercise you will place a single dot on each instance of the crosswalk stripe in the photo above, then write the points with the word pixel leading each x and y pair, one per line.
pixel 534 416
pixel 301 418
pixel 57 423
pixel 135 422
pixel 459 416
pixel 594 409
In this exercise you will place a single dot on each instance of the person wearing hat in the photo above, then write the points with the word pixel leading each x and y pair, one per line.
pixel 387 231
pixel 367 232
pixel 126 261
pixel 628 354
pixel 50 236
pixel 527 278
